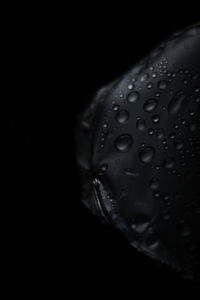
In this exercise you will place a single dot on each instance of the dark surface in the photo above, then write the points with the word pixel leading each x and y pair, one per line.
pixel 50 68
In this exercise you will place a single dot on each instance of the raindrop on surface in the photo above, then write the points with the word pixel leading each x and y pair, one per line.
pixel 131 172
pixel 178 144
pixel 147 154
pixel 160 134
pixel 154 183
pixel 116 107
pixel 155 119
pixel 122 116
pixel 144 77
pixel 130 86
pixel 168 163
pixel 162 85
pixel 176 103
pixel 104 167
pixel 140 125
pixel 150 105
pixel 154 75
pixel 123 143
pixel 150 85
pixel 133 97
pixel 151 131
pixel 156 194
pixel 184 228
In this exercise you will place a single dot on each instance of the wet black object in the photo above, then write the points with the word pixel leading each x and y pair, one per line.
pixel 138 149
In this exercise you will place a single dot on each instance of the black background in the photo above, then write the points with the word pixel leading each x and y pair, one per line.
pixel 51 66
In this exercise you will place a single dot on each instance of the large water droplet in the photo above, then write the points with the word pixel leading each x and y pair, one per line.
pixel 141 125
pixel 124 142
pixel 176 103
pixel 147 154
pixel 150 105
pixel 133 97
pixel 122 116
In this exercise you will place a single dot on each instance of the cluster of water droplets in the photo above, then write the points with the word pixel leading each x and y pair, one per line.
pixel 144 93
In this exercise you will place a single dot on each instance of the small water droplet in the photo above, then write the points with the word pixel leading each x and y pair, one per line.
pixel 150 105
pixel 144 77
pixel 130 86
pixel 178 144
pixel 162 85
pixel 176 103
pixel 149 85
pixel 155 119
pixel 160 134
pixel 154 183
pixel 147 154
pixel 133 97
pixel 140 125
pixel 154 75
pixel 168 163
pixel 131 172
pixel 151 131
pixel 116 107
pixel 104 167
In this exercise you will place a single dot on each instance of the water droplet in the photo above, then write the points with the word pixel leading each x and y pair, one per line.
pixel 154 183
pixel 155 119
pixel 104 167
pixel 124 142
pixel 168 163
pixel 122 116
pixel 133 97
pixel 140 125
pixel 160 134
pixel 183 121
pixel 154 75
pixel 150 105
pixel 176 103
pixel 131 172
pixel 116 107
pixel 149 85
pixel 147 154
pixel 172 136
pixel 156 194
pixel 184 228
pixel 151 131
pixel 130 86
pixel 144 77
pixel 178 144
pixel 162 85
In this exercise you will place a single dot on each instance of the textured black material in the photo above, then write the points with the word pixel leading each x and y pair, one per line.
pixel 138 148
